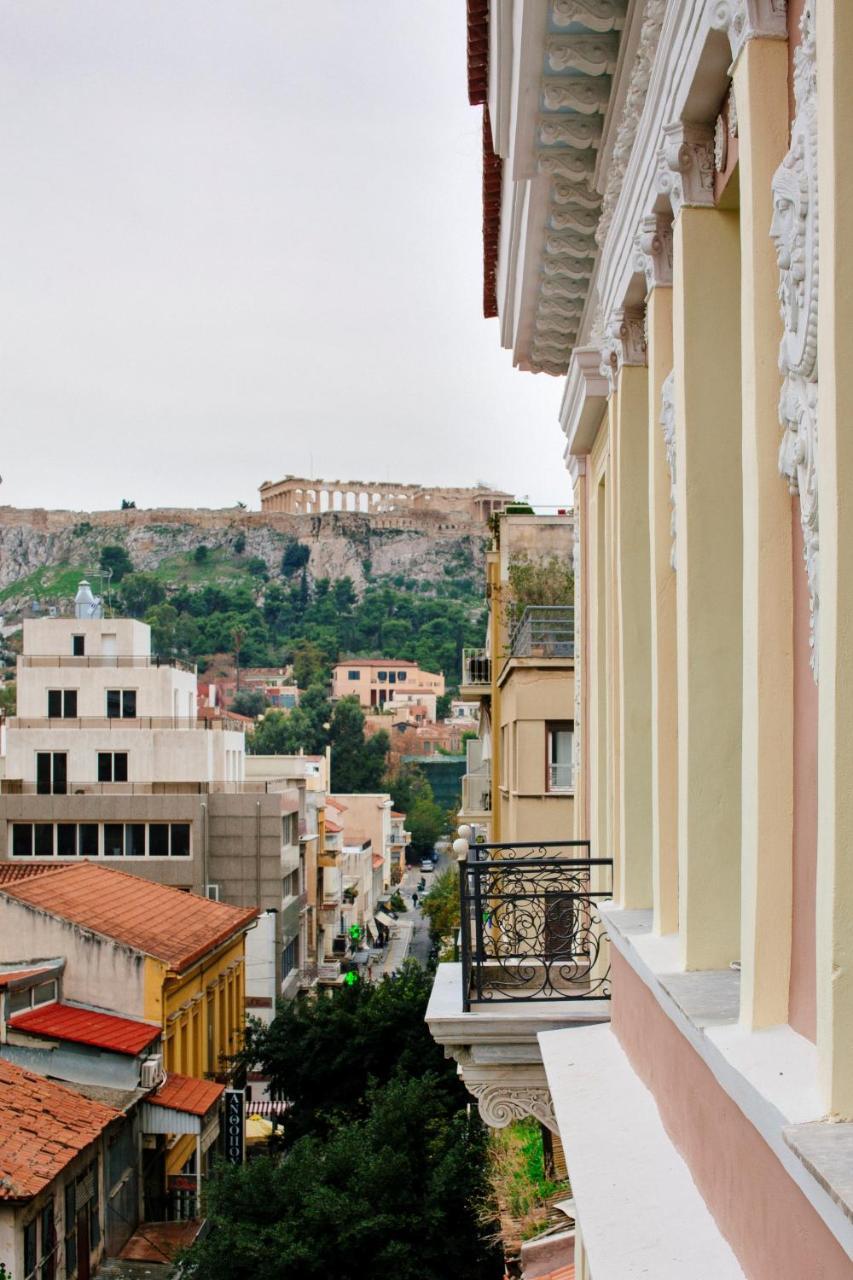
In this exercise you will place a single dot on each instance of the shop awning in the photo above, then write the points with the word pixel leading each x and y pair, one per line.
pixel 371 928
pixel 382 918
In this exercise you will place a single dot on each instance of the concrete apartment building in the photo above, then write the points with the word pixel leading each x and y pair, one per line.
pixel 376 681
pixel 668 217
pixel 519 783
pixel 107 760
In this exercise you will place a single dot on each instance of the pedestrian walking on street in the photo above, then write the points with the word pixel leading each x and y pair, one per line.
pixel 414 899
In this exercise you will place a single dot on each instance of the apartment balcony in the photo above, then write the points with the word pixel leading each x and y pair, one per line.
pixel 544 631
pixel 102 660
pixel 476 673
pixel 476 796
pixel 534 957
pixel 530 923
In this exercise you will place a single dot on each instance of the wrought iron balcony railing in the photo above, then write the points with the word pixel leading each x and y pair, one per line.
pixel 104 660
pixel 530 923
pixel 476 667
pixel 544 631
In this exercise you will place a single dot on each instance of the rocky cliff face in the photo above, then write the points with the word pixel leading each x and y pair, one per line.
pixel 43 553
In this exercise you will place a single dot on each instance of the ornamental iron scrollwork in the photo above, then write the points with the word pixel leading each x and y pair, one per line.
pixel 531 925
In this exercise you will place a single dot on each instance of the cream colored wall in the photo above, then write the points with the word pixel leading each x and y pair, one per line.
pixel 98 972
pixel 53 636
pixel 160 691
pixel 533 693
pixel 154 755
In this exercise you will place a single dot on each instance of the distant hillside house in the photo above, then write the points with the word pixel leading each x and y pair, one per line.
pixel 376 681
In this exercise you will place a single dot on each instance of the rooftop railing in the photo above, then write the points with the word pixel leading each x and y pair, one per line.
pixel 21 787
pixel 544 631
pixel 530 923
pixel 108 660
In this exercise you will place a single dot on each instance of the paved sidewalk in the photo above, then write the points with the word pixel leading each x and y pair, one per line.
pixel 398 949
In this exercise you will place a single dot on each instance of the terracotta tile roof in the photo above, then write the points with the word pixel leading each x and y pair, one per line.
pixel 175 927
pixel 332 826
pixel 478 51
pixel 84 1026
pixel 376 662
pixel 43 1126
pixel 562 1273
pixel 377 861
pixel 10 871
pixel 184 1093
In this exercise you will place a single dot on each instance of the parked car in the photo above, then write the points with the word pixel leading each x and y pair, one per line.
pixel 426 865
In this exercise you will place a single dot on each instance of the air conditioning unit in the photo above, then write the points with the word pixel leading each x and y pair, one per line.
pixel 152 1072
pixel 212 891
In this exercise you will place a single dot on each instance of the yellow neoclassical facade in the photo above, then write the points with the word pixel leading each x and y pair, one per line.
pixel 667 216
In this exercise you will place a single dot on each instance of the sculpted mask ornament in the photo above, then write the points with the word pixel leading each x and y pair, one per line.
pixel 794 229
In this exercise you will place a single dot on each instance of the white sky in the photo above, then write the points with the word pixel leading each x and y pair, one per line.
pixel 240 238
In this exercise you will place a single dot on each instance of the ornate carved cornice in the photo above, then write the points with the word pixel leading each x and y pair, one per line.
pixel 590 55
pixel 653 249
pixel 595 15
pixel 635 99
pixel 499 1104
pixel 685 173
pixel 570 130
pixel 743 20
pixel 795 230
pixel 624 342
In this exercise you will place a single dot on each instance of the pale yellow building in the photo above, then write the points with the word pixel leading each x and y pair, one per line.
pixel 519 784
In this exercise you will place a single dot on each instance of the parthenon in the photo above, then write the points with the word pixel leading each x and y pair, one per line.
pixel 299 496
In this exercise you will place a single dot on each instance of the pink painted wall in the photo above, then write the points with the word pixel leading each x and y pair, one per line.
pixel 802 991
pixel 768 1222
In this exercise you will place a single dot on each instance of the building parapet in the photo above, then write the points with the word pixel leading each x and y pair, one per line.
pixel 544 631
pixel 105 660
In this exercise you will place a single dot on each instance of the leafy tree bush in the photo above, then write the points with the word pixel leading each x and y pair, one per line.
pixel 546 580
pixel 296 557
pixel 127 504
pixel 248 702
pixel 441 906
pixel 442 706
pixel 427 822
pixel 141 592
pixel 240 544
pixel 257 567
pixel 201 555
pixel 117 559
pixel 357 765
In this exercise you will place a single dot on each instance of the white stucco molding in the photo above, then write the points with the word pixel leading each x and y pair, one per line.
pixel 743 20
pixel 584 399
pixel 667 422
pixel 500 1104
pixel 795 234
pixel 625 342
pixel 595 15
pixel 685 165
pixel 653 250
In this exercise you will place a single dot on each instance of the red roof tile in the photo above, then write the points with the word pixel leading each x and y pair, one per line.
pixel 333 826
pixel 83 1026
pixel 175 927
pixel 562 1273
pixel 23 870
pixel 184 1093
pixel 43 1126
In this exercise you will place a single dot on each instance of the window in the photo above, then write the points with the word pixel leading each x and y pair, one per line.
pixel 392 677
pixel 289 957
pixel 88 839
pixel 43 839
pixel 47 1270
pixel 158 840
pixel 51 773
pixel 66 839
pixel 134 839
pixel 560 748
pixel 70 1229
pixel 382 675
pixel 121 704
pixel 44 992
pixel 30 1249
pixel 62 704
pixel 78 646
pixel 401 676
pixel 18 1002
pixel 113 840
pixel 112 766
pixel 22 839
pixel 180 844
pixel 352 675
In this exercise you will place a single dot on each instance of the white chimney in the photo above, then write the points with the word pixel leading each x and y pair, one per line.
pixel 87 605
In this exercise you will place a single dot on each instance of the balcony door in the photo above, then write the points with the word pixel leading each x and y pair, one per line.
pixel 51 773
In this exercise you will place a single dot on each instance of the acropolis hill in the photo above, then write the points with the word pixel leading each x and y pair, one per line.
pixel 39 548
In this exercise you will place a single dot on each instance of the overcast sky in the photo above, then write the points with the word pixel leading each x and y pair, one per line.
pixel 240 238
